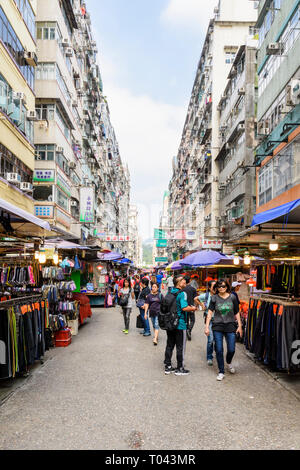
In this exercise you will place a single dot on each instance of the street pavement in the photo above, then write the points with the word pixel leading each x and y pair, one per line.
pixel 108 391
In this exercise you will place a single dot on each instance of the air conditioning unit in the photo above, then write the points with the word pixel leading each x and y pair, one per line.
pixel 265 131
pixel 69 52
pixel 221 186
pixel 59 149
pixel 65 43
pixel 241 91
pixel 74 203
pixel 20 96
pixel 208 217
pixel 75 104
pixel 31 58
pixel 72 165
pixel 274 48
pixel 31 116
pixel 13 178
pixel 241 126
pixel 234 204
pixel 26 187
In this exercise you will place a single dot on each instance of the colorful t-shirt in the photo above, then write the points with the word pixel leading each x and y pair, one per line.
pixel 181 302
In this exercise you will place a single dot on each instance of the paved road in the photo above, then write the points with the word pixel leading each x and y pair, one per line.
pixel 108 391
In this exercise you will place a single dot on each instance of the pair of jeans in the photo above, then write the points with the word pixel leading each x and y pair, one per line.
pixel 210 344
pixel 230 340
pixel 126 314
pixel 175 338
pixel 145 322
pixel 155 323
pixel 190 320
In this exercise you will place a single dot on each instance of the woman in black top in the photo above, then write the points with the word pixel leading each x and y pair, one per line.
pixel 224 312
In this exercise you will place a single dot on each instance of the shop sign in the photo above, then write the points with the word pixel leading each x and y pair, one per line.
pixel 161 259
pixel 215 244
pixel 43 176
pixel 62 184
pixel 177 234
pixel 87 203
pixel 117 238
pixel 161 243
pixel 63 219
pixel 44 212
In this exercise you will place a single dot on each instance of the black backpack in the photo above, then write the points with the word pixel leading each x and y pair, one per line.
pixel 168 318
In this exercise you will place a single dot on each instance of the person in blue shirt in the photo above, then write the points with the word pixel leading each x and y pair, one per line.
pixel 159 278
pixel 178 337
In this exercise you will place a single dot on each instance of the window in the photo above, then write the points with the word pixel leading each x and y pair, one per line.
pixel 265 184
pixel 62 124
pixel 48 31
pixel 229 57
pixel 9 163
pixel 62 200
pixel 43 193
pixel 27 14
pixel 45 152
pixel 45 111
pixel 15 48
pixel 46 71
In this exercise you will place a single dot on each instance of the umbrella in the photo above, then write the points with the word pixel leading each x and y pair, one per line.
pixel 175 265
pixel 110 256
pixel 203 258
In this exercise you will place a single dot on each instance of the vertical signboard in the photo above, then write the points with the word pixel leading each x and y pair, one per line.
pixel 87 205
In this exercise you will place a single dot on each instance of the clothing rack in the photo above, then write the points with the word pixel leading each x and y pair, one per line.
pixel 276 299
pixel 9 303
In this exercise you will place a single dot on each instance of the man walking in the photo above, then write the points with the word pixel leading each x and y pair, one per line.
pixel 178 336
pixel 191 294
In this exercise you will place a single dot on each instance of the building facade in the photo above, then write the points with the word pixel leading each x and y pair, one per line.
pixel 17 101
pixel 278 110
pixel 194 187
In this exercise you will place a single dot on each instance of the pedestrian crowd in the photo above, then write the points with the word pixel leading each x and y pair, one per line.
pixel 175 313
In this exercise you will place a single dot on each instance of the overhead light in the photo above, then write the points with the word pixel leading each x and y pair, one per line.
pixel 247 259
pixel 55 258
pixel 42 257
pixel 37 255
pixel 236 259
pixel 273 246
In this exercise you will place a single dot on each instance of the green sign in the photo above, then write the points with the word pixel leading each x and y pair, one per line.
pixel 161 259
pixel 161 243
pixel 159 234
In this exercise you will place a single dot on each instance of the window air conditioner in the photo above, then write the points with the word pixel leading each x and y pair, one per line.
pixel 31 116
pixel 65 43
pixel 69 52
pixel 13 178
pixel 59 149
pixel 241 91
pixel 31 58
pixel 241 126
pixel 20 96
pixel 72 165
pixel 74 203
pixel 274 48
pixel 26 187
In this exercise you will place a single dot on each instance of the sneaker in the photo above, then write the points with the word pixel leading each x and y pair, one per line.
pixel 182 371
pixel 169 370
pixel 142 332
pixel 126 332
pixel 220 377
pixel 231 369
pixel 210 362
pixel 147 334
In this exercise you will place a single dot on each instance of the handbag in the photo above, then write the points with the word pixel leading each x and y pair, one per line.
pixel 140 303
pixel 139 322
pixel 123 301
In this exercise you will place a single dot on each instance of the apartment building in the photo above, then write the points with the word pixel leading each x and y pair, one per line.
pixel 80 184
pixel 194 188
pixel 17 101
pixel 161 244
pixel 237 139
pixel 278 110
pixel 134 245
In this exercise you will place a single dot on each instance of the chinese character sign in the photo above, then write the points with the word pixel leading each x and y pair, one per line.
pixel 87 203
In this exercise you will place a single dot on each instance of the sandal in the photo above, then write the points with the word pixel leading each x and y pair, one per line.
pixel 155 342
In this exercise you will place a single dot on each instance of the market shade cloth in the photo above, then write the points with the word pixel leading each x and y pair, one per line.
pixel 23 222
pixel 289 212
pixel 125 261
pixel 174 263
pixel 110 256
pixel 203 258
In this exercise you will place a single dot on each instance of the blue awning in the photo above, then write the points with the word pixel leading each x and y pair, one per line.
pixel 287 213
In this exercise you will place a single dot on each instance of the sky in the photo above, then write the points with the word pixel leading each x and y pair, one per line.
pixel 148 56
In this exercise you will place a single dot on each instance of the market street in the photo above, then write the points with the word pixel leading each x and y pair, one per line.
pixel 108 391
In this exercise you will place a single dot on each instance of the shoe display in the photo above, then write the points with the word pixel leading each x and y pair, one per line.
pixel 220 377
pixel 182 371
pixel 169 370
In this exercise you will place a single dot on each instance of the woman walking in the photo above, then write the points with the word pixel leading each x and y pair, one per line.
pixel 152 305
pixel 224 312
pixel 126 297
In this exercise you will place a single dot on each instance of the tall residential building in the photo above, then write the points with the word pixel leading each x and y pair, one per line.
pixel 17 101
pixel 134 245
pixel 80 183
pixel 278 110
pixel 194 188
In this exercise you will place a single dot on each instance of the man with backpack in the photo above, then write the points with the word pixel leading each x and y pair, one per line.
pixel 172 318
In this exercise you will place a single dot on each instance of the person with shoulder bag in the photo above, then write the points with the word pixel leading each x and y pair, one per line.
pixel 152 305
pixel 204 301
pixel 224 309
pixel 145 291
pixel 126 297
